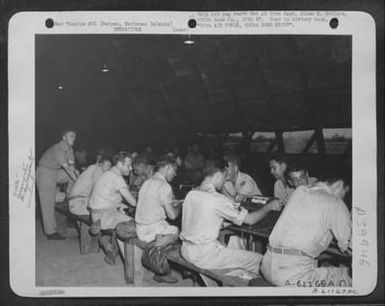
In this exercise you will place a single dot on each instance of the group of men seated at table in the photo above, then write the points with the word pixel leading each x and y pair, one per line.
pixel 312 213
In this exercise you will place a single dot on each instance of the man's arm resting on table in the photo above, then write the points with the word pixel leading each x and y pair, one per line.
pixel 128 196
pixel 254 217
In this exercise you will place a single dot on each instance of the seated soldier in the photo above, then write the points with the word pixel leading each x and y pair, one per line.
pixel 278 165
pixel 204 211
pixel 143 169
pixel 312 216
pixel 106 200
pixel 238 185
pixel 78 200
pixel 156 203
pixel 298 175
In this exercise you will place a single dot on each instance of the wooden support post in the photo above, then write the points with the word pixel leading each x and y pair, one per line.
pixel 88 243
pixel 280 143
pixel 134 272
pixel 320 141
pixel 129 273
pixel 142 274
pixel 61 223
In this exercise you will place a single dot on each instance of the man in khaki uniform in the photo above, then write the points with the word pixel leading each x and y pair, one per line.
pixel 204 211
pixel 78 199
pixel 312 217
pixel 106 204
pixel 55 167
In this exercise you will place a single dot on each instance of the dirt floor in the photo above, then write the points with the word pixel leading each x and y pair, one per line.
pixel 59 263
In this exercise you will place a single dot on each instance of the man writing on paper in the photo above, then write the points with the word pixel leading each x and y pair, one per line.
pixel 204 211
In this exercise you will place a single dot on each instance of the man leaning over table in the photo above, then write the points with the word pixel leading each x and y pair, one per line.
pixel 204 211
pixel 312 216
pixel 56 166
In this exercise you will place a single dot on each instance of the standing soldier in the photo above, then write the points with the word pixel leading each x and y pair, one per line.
pixel 56 166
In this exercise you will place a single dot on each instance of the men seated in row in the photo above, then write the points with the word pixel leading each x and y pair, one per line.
pixel 204 211
pixel 80 194
pixel 105 202
pixel 312 216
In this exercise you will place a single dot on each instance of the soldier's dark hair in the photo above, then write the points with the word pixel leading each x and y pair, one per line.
pixel 67 130
pixel 120 157
pixel 233 158
pixel 280 158
pixel 164 161
pixel 213 166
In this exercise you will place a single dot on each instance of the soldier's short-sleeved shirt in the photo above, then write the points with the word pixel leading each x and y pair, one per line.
pixel 154 194
pixel 244 185
pixel 204 211
pixel 57 156
pixel 311 218
pixel 86 181
pixel 106 192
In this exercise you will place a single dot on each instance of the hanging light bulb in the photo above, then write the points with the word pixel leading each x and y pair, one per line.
pixel 105 68
pixel 189 41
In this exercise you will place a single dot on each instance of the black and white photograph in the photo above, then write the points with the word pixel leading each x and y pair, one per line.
pixel 235 157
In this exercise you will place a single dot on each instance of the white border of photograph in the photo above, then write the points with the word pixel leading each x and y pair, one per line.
pixel 22 29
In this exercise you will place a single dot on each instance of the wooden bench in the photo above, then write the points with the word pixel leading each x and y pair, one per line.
pixel 87 242
pixel 136 274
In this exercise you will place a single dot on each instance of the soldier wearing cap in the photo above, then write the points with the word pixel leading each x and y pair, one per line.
pixel 56 166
